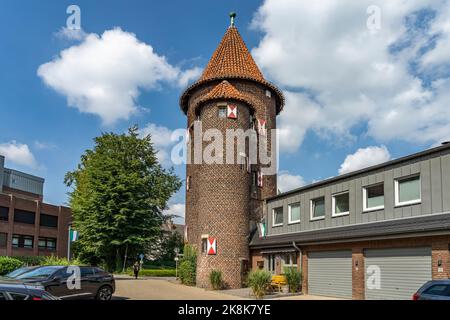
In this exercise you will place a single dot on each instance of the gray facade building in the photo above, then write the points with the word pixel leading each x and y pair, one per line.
pixel 390 221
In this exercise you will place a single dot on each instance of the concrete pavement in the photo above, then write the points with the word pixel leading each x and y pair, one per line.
pixel 161 289
pixel 168 289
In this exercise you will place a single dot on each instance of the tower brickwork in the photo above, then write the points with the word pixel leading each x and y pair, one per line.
pixel 224 202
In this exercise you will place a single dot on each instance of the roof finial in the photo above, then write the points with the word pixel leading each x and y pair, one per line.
pixel 232 17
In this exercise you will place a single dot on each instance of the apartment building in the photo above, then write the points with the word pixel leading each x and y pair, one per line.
pixel 28 225
pixel 377 233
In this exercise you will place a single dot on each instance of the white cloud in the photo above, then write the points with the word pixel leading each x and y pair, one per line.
pixel 43 145
pixel 287 181
pixel 363 158
pixel 18 153
pixel 104 75
pixel 340 75
pixel 188 75
pixel 162 141
pixel 177 209
pixel 71 34
pixel 440 53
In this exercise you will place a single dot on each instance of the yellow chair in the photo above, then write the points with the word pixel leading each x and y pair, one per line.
pixel 278 281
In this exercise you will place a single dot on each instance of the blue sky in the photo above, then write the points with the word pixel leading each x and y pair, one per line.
pixel 355 96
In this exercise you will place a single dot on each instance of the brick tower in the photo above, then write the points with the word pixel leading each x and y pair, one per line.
pixel 224 202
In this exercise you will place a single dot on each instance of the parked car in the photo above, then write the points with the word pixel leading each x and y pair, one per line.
pixel 434 290
pixel 57 280
pixel 17 290
pixel 18 272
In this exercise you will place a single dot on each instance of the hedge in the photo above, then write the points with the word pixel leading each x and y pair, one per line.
pixel 41 261
pixel 30 260
pixel 155 273
pixel 8 264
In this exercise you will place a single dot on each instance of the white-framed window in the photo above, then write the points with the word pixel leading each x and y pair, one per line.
pixel 294 213
pixel 408 190
pixel 277 217
pixel 318 208
pixel 373 197
pixel 341 204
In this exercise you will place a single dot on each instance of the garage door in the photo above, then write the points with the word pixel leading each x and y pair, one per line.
pixel 402 272
pixel 330 273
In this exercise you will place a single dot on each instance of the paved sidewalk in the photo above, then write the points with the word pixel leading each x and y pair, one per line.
pixel 153 288
pixel 161 289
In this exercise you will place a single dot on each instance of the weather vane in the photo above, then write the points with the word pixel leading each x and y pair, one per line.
pixel 232 17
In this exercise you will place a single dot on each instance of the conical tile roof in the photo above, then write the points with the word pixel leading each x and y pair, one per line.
pixel 225 90
pixel 231 60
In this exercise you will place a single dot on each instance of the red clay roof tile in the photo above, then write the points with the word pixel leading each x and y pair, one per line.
pixel 232 58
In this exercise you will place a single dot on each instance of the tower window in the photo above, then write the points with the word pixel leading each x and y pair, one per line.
pixel 188 183
pixel 223 112
pixel 204 245
pixel 268 94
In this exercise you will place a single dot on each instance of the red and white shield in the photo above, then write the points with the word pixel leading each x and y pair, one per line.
pixel 260 179
pixel 232 111
pixel 262 127
pixel 212 246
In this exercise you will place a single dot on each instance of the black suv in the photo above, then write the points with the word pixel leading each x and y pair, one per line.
pixel 17 290
pixel 60 281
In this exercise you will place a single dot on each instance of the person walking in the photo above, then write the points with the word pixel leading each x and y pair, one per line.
pixel 136 268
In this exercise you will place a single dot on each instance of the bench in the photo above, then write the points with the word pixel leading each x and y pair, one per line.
pixel 278 281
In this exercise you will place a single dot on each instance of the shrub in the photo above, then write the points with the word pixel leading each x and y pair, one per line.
pixel 294 279
pixel 8 264
pixel 259 281
pixel 155 272
pixel 159 264
pixel 188 266
pixel 215 277
pixel 187 272
pixel 30 260
pixel 55 261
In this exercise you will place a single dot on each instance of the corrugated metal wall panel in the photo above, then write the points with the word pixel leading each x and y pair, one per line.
pixel 330 273
pixel 402 272
pixel 23 182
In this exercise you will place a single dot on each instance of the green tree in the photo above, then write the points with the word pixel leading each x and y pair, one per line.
pixel 119 191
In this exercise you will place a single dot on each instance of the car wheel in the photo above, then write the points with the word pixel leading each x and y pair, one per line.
pixel 104 293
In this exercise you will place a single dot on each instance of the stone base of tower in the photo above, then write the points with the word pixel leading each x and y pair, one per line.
pixel 233 270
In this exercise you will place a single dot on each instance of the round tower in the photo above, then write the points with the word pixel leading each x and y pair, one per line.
pixel 224 199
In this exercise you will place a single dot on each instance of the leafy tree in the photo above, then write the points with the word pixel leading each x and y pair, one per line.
pixel 119 193
pixel 163 250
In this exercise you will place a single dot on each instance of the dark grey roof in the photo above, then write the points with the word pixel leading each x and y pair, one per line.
pixel 24 175
pixel 432 222
pixel 436 150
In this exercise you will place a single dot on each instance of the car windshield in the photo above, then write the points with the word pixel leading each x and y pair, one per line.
pixel 42 272
pixel 17 272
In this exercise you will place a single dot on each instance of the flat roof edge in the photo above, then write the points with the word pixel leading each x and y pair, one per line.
pixel 364 170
